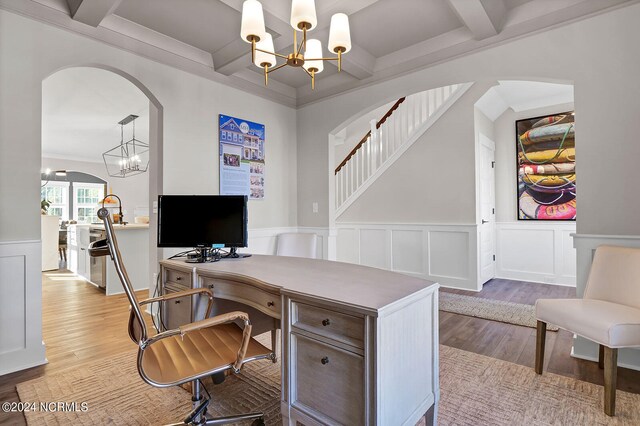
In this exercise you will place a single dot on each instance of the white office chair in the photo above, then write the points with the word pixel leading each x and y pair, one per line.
pixel 297 245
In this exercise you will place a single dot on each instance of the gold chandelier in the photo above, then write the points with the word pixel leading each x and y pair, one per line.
pixel 308 54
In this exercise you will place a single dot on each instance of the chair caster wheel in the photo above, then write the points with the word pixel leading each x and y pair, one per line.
pixel 258 422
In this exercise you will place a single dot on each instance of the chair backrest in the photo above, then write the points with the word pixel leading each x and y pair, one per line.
pixel 297 245
pixel 615 276
pixel 137 326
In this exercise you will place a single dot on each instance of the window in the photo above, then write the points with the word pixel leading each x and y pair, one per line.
pixel 57 194
pixel 86 197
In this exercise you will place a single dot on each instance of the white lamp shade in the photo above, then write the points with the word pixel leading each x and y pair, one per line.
pixel 261 58
pixel 252 20
pixel 339 34
pixel 303 11
pixel 314 50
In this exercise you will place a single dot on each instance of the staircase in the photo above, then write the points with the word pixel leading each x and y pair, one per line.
pixel 389 138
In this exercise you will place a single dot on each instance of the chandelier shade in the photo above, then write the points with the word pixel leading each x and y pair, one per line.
pixel 262 57
pixel 314 50
pixel 308 53
pixel 252 28
pixel 339 34
pixel 303 15
pixel 128 158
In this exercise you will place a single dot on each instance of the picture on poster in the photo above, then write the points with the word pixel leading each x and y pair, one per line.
pixel 242 162
pixel 546 163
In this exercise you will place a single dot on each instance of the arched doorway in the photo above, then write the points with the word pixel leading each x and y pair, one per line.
pixel 153 137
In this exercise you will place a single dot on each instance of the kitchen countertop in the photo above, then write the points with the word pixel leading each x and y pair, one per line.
pixel 129 226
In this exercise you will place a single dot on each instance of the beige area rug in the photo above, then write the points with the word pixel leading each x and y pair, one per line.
pixel 479 390
pixel 475 390
pixel 495 310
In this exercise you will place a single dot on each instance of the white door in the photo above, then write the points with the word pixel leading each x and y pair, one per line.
pixel 487 209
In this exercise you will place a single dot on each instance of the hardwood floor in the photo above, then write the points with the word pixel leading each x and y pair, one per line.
pixel 81 324
pixel 517 344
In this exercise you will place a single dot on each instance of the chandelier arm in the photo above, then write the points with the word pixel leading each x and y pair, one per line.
pixel 272 53
pixel 308 73
pixel 303 42
pixel 321 59
pixel 272 69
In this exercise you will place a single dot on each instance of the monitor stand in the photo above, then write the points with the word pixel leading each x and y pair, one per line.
pixel 203 255
pixel 233 254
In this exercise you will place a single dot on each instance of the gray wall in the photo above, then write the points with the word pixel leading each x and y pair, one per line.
pixel 31 50
pixel 434 181
pixel 598 55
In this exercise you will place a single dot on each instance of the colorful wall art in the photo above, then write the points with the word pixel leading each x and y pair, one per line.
pixel 241 157
pixel 546 156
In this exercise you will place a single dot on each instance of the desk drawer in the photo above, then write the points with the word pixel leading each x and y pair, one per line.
pixel 334 325
pixel 328 380
pixel 176 312
pixel 179 278
pixel 263 301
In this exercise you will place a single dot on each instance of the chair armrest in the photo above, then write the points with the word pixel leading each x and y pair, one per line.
pixel 183 293
pixel 222 319
pixel 177 294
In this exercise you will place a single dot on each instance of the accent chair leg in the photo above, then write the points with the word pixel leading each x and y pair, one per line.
pixel 610 380
pixel 541 334
pixel 601 357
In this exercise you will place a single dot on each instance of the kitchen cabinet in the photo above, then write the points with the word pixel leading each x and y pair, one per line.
pixel 133 240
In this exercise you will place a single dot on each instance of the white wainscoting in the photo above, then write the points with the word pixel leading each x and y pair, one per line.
pixel 539 252
pixel 585 247
pixel 445 253
pixel 21 344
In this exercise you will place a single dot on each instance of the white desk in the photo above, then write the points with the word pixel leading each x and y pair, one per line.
pixel 359 344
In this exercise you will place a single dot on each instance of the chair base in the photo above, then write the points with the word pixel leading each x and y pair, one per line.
pixel 198 415
pixel 202 419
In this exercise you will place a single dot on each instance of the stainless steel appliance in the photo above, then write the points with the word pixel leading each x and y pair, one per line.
pixel 98 265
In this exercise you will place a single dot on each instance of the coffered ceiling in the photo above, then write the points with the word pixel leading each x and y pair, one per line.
pixel 388 36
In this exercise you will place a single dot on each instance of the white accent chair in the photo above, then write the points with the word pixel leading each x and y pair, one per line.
pixel 608 314
pixel 297 245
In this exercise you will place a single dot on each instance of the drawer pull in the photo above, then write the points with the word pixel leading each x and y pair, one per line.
pixel 178 278
pixel 177 302
pixel 270 304
pixel 326 322
pixel 325 360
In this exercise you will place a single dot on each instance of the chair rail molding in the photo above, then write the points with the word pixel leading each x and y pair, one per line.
pixel 585 245
pixel 536 251
pixel 444 253
pixel 21 344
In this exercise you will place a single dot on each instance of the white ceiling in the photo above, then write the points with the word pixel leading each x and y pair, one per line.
pixel 81 108
pixel 387 35
pixel 521 96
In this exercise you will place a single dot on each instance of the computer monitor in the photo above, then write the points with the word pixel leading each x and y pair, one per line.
pixel 202 221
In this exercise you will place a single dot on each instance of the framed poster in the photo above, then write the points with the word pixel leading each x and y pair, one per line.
pixel 241 157
pixel 546 167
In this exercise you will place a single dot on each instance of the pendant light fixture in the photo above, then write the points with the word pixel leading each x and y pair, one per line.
pixel 306 55
pixel 128 158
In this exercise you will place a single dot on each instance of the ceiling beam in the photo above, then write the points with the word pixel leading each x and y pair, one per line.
pixel 484 18
pixel 91 12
